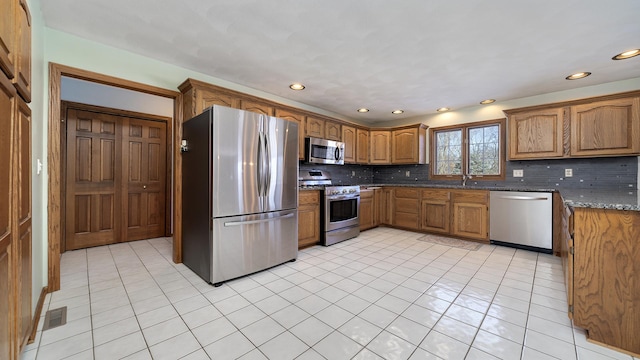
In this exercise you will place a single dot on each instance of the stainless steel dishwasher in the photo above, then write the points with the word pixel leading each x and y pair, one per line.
pixel 521 219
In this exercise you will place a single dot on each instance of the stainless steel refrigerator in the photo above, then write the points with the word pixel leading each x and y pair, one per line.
pixel 239 193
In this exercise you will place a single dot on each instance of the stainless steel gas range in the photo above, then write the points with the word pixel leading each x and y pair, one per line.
pixel 340 207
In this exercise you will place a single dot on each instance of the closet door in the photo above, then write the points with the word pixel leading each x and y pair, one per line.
pixel 93 172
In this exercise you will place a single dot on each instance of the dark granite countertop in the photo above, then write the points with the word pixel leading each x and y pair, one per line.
pixel 623 199
pixel 616 199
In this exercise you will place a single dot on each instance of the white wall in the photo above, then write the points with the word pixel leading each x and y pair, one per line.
pixel 54 46
pixel 87 92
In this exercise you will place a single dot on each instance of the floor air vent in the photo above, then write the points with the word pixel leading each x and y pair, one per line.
pixel 54 318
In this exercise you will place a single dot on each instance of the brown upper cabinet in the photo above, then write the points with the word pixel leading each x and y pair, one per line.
pixel 314 128
pixel 257 107
pixel 536 134
pixel 593 127
pixel 349 139
pixel 299 118
pixel 332 131
pixel 408 145
pixel 362 146
pixel 606 128
pixel 380 151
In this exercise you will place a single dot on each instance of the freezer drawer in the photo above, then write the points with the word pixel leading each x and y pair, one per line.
pixel 242 245
pixel 522 219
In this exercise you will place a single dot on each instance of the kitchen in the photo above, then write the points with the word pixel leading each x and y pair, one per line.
pixel 52 45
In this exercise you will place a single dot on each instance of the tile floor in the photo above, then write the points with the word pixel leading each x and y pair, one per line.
pixel 383 295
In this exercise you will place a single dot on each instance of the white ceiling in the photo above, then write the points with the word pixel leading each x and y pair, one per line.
pixel 416 55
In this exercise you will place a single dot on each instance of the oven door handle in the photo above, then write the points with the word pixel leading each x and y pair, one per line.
pixel 346 197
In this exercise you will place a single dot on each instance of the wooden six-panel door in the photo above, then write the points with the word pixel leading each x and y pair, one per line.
pixel 145 149
pixel 115 178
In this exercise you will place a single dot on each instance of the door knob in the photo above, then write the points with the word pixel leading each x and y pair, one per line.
pixel 144 186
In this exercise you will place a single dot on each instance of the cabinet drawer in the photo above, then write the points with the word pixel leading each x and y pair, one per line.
pixel 365 194
pixel 471 196
pixel 308 197
pixel 407 193
pixel 442 195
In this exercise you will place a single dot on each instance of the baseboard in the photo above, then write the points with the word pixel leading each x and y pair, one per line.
pixel 36 316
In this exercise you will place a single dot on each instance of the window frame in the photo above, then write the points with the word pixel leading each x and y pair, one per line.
pixel 464 128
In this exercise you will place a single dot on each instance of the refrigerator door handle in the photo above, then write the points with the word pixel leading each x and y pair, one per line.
pixel 267 157
pixel 249 222
pixel 260 166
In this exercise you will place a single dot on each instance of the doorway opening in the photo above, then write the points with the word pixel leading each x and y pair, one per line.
pixel 56 189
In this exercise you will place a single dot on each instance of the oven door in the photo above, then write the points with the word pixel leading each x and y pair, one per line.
pixel 341 211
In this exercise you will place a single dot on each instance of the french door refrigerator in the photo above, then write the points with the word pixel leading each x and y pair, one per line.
pixel 239 193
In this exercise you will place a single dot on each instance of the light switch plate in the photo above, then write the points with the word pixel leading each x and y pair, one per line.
pixel 518 173
pixel 407 173
pixel 568 172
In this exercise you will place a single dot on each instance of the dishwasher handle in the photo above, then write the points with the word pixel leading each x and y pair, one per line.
pixel 520 197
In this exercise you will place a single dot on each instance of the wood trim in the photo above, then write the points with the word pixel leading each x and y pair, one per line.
pixel 574 102
pixel 36 315
pixel 178 119
pixel 56 71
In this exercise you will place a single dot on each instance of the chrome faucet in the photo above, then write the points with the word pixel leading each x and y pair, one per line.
pixel 466 177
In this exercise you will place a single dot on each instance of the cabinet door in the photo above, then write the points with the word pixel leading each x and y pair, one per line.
pixel 299 118
pixel 406 208
pixel 377 194
pixel 349 139
pixel 308 218
pixel 470 212
pixel 366 209
pixel 405 146
pixel 315 128
pixel 435 211
pixel 257 107
pixel 362 146
pixel 536 134
pixel 606 128
pixel 470 220
pixel 22 192
pixel 332 131
pixel 380 146
pixel 22 77
pixel 7 37
pixel 205 99
pixel 385 205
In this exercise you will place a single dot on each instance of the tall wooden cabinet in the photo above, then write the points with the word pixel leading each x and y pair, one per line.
pixel 15 178
pixel 362 146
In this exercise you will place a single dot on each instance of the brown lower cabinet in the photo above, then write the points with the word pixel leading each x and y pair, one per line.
pixel 601 258
pixel 461 213
pixel 308 218
pixel 369 208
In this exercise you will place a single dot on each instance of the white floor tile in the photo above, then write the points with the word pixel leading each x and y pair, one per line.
pixel 374 297
pixel 337 347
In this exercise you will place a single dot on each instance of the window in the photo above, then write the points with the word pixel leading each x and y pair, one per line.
pixel 475 149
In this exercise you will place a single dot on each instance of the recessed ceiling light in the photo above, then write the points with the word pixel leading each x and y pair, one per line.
pixel 296 86
pixel 397 112
pixel 627 54
pixel 363 110
pixel 577 76
pixel 443 109
pixel 488 101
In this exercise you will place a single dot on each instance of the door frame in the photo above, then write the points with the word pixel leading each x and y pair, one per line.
pixel 119 113
pixel 54 166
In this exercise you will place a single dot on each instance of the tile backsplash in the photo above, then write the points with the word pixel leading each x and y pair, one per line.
pixel 601 173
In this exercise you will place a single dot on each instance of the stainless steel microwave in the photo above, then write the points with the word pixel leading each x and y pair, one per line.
pixel 322 151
